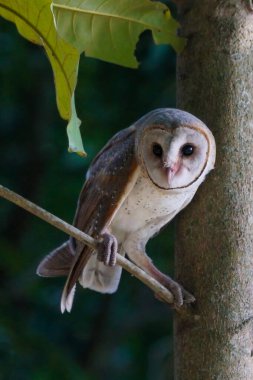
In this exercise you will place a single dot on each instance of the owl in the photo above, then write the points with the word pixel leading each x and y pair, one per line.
pixel 135 185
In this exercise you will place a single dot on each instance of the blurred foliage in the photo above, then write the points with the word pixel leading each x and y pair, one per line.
pixel 125 335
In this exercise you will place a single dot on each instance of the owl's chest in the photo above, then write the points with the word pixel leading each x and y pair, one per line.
pixel 145 204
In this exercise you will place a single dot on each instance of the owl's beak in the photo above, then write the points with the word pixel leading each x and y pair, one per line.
pixel 170 175
pixel 171 169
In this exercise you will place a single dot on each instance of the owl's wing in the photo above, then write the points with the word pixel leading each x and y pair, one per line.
pixel 111 177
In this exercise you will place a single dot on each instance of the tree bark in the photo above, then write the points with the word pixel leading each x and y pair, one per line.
pixel 214 247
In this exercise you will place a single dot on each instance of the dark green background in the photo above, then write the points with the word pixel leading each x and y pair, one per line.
pixel 124 336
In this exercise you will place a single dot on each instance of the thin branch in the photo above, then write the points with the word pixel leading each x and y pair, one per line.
pixel 160 291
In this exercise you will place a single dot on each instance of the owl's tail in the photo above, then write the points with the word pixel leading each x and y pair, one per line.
pixel 95 275
pixel 58 262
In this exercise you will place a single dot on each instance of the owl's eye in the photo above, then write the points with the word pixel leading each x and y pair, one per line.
pixel 187 150
pixel 157 150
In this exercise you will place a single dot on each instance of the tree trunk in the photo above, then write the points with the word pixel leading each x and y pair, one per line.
pixel 214 248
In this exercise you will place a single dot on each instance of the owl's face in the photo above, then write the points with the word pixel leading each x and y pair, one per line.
pixel 174 157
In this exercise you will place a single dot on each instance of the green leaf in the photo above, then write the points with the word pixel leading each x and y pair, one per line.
pixel 34 21
pixel 110 29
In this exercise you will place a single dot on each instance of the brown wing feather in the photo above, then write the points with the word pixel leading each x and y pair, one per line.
pixel 111 176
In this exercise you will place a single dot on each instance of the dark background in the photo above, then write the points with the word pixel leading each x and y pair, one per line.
pixel 127 335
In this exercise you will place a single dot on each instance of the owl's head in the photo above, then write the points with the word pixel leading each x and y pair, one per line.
pixel 175 148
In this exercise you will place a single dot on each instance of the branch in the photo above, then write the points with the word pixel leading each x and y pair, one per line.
pixel 160 291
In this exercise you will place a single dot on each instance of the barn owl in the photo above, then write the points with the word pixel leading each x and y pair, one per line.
pixel 135 185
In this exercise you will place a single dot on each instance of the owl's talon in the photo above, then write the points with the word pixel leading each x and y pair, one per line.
pixel 108 249
pixel 181 296
pixel 188 297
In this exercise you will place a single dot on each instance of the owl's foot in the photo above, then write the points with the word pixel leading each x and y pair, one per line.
pixel 107 249
pixel 181 296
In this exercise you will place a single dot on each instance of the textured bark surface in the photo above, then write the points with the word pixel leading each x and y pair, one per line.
pixel 214 249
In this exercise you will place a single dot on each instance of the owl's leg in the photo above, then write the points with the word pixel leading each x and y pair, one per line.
pixel 134 246
pixel 143 261
pixel 100 273
pixel 181 296
pixel 107 249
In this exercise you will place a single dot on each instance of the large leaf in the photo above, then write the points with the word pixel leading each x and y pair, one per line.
pixel 110 29
pixel 34 21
